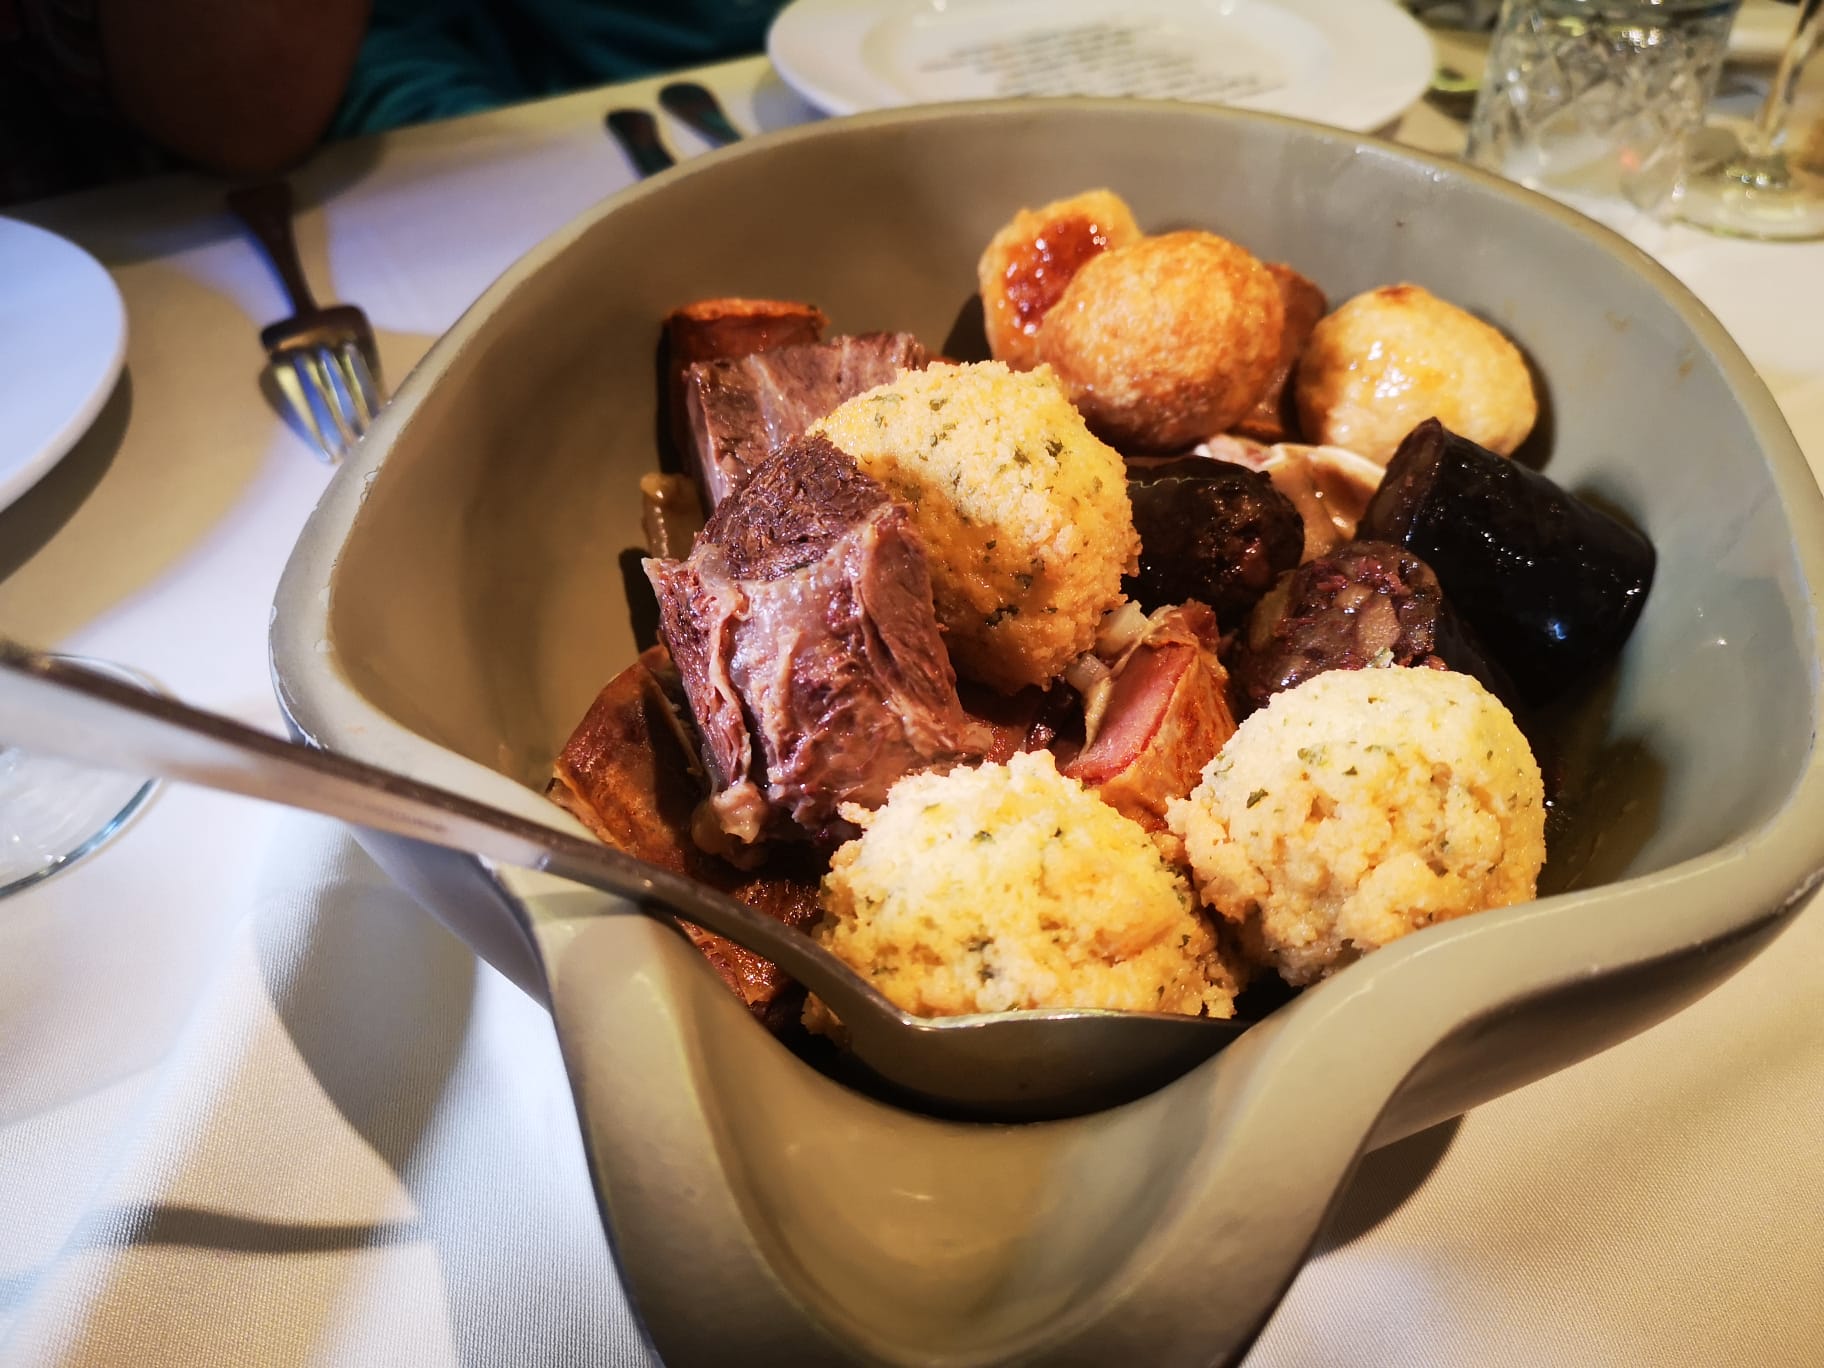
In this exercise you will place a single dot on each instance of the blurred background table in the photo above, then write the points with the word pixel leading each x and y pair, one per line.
pixel 256 1108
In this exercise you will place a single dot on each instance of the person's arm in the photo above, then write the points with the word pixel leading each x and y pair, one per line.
pixel 239 86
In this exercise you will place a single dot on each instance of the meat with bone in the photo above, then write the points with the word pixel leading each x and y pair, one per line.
pixel 803 628
pixel 1364 603
pixel 1167 714
pixel 740 410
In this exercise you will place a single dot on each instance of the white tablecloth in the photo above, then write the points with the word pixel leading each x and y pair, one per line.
pixel 256 1108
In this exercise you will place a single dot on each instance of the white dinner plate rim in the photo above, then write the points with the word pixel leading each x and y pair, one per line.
pixel 22 469
pixel 1372 95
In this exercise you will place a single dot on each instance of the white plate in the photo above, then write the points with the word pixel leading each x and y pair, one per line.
pixel 1353 63
pixel 63 340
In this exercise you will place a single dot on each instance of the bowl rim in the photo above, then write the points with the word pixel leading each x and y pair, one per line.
pixel 1755 877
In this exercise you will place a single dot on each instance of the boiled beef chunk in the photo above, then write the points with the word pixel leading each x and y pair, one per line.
pixel 739 411
pixel 803 629
pixel 718 329
pixel 627 773
pixel 1167 715
pixel 712 329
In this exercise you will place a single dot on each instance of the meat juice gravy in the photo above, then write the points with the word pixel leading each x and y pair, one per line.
pixel 1603 791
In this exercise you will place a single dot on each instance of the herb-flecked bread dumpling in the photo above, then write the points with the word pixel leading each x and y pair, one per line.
pixel 1361 806
pixel 1024 514
pixel 1009 887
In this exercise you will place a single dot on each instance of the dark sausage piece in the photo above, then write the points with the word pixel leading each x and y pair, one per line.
pixel 1210 531
pixel 1364 603
pixel 1550 585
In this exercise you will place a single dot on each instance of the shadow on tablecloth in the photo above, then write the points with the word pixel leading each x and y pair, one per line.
pixel 39 513
pixel 376 997
pixel 1386 1178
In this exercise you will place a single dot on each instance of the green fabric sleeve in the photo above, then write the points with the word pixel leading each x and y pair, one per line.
pixel 433 59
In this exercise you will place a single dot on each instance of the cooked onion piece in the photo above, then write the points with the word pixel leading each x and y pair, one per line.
pixel 1330 487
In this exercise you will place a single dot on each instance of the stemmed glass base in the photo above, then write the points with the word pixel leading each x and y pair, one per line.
pixel 53 813
pixel 1743 179
pixel 1729 188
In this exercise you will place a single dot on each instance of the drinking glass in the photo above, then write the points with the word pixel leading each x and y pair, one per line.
pixel 1747 181
pixel 53 813
pixel 1591 101
pixel 1469 15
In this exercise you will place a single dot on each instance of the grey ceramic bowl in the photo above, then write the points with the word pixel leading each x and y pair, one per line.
pixel 455 603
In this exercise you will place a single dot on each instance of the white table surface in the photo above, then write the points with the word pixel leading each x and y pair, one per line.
pixel 256 1108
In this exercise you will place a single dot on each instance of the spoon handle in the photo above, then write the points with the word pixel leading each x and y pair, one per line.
pixel 698 107
pixel 57 707
pixel 638 134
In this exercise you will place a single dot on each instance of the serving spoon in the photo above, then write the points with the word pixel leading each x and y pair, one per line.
pixel 1008 1066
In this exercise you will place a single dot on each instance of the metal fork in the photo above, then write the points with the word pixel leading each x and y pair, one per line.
pixel 323 360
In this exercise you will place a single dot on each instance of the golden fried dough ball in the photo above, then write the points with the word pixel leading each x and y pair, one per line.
pixel 1391 358
pixel 1275 418
pixel 1032 259
pixel 1166 341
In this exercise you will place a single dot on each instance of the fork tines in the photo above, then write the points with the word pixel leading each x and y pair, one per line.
pixel 322 360
pixel 331 390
